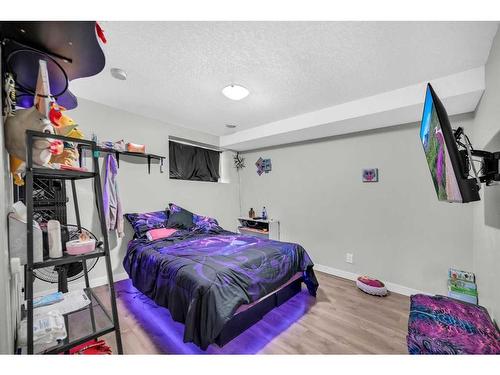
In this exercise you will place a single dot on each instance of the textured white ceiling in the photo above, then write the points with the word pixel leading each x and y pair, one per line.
pixel 176 70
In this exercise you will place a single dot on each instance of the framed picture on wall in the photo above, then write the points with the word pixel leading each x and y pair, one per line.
pixel 370 175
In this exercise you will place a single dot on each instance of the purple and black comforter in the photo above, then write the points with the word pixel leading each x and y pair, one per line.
pixel 203 275
pixel 441 325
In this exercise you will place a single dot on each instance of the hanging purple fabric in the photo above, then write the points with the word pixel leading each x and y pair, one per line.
pixel 113 210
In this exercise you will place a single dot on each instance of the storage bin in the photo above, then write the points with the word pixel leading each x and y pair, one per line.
pixel 18 240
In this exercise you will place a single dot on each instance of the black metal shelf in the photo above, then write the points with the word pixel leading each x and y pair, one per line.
pixel 92 321
pixel 62 174
pixel 66 258
pixel 117 154
pixel 129 153
pixel 82 325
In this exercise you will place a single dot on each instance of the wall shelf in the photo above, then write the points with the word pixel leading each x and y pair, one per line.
pixel 117 154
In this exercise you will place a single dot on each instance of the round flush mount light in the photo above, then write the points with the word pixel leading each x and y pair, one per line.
pixel 235 92
pixel 119 74
pixel 230 126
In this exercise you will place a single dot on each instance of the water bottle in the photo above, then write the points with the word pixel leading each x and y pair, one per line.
pixel 264 213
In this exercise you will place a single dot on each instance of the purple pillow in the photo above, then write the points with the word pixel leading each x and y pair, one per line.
pixel 144 222
pixel 204 221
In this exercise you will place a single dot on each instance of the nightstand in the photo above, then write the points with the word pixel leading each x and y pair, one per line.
pixel 269 229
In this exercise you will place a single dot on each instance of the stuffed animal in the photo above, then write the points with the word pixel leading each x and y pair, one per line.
pixel 63 124
pixel 69 156
pixel 17 168
pixel 43 148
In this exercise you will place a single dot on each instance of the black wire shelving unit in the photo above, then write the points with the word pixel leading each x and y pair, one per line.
pixel 94 320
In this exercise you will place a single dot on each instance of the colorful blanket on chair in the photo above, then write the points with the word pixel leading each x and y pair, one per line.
pixel 441 325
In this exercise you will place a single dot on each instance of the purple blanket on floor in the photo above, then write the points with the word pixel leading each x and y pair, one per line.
pixel 441 325
pixel 202 276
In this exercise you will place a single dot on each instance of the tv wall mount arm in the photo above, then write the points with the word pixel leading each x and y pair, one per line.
pixel 489 172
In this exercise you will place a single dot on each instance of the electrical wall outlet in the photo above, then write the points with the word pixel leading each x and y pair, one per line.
pixel 349 258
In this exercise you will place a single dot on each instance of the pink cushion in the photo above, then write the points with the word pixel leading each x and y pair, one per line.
pixel 155 234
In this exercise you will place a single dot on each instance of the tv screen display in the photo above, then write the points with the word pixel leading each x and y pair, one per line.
pixel 434 140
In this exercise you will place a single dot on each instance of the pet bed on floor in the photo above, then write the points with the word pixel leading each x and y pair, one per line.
pixel 442 325
pixel 371 286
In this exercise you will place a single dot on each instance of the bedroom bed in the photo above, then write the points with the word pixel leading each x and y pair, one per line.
pixel 218 283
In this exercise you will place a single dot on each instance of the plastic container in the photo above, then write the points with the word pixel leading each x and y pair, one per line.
pixel 77 247
pixel 55 243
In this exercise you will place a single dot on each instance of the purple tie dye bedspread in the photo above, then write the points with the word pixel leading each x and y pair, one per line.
pixel 202 276
pixel 441 325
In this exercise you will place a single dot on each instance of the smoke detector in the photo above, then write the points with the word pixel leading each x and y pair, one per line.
pixel 119 74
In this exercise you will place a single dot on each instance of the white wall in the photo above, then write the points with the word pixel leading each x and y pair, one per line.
pixel 486 227
pixel 6 338
pixel 396 228
pixel 143 192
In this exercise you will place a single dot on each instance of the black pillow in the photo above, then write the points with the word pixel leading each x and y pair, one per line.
pixel 180 219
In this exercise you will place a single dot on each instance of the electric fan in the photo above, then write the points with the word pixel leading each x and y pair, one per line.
pixel 64 273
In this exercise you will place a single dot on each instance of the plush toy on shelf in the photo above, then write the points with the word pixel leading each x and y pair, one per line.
pixel 45 116
pixel 43 148
pixel 64 125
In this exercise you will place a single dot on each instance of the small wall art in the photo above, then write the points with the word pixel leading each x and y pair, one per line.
pixel 239 161
pixel 263 166
pixel 370 175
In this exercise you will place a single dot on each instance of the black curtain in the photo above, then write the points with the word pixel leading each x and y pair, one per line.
pixel 193 163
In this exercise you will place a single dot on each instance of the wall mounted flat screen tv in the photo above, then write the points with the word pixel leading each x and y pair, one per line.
pixel 441 151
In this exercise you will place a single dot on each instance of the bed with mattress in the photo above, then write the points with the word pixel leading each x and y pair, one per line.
pixel 216 282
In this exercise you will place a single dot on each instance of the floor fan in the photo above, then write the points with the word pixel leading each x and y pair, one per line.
pixel 63 274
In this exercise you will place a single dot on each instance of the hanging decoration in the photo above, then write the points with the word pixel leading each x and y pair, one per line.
pixel 239 161
pixel 10 94
pixel 43 98
pixel 263 166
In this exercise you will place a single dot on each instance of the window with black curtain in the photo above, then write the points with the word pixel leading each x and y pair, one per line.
pixel 193 163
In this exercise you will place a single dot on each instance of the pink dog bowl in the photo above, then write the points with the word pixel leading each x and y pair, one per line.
pixel 78 247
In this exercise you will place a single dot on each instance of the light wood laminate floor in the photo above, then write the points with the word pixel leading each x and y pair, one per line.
pixel 340 320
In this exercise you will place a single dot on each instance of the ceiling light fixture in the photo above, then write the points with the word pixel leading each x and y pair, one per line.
pixel 235 92
pixel 230 126
pixel 119 74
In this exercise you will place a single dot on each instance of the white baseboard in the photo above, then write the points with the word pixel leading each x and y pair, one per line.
pixel 395 288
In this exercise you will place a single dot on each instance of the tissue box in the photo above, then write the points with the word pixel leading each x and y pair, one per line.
pixel 18 241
